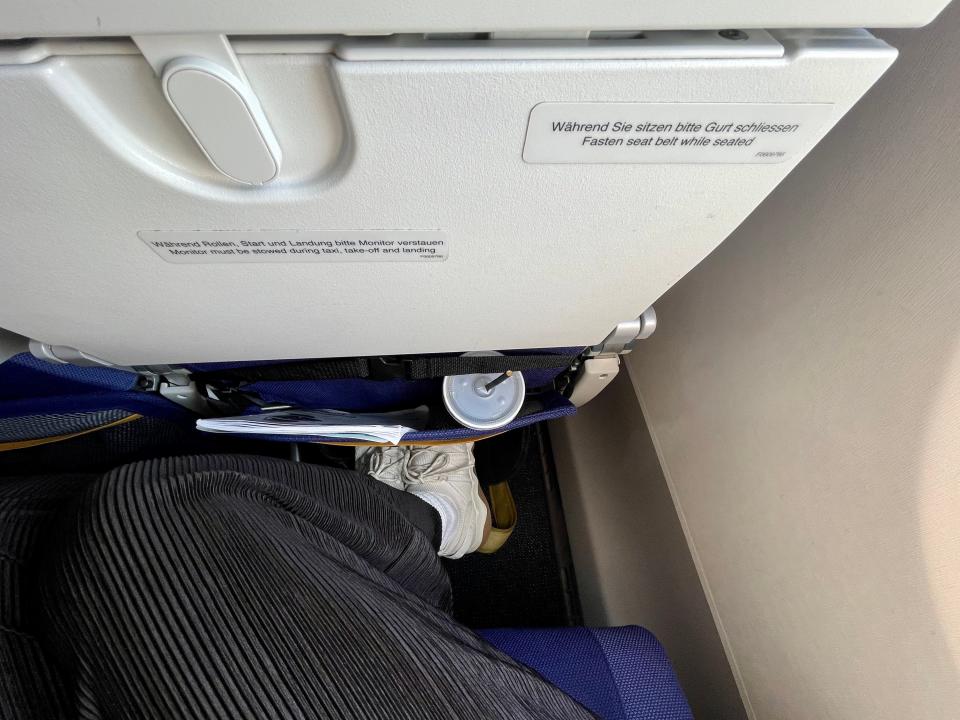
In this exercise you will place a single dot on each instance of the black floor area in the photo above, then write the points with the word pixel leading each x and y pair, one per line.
pixel 530 581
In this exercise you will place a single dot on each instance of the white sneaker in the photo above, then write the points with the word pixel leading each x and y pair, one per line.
pixel 383 463
pixel 443 476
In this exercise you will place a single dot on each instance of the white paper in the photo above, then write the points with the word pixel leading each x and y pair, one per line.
pixel 335 424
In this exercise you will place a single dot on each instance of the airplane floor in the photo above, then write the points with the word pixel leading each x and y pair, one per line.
pixel 530 581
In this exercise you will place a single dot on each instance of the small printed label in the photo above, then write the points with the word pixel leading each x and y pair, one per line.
pixel 703 133
pixel 251 246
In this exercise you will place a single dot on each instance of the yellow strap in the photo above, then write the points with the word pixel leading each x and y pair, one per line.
pixel 20 444
pixel 503 517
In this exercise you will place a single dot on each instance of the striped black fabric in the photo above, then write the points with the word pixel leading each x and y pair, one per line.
pixel 238 587
pixel 30 686
pixel 31 427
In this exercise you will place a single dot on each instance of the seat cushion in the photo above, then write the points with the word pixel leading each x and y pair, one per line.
pixel 620 673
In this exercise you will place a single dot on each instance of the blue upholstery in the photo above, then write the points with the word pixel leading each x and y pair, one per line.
pixel 23 376
pixel 32 387
pixel 381 395
pixel 618 673
pixel 45 394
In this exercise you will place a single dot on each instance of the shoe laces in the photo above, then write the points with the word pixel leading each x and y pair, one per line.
pixel 436 470
pixel 377 466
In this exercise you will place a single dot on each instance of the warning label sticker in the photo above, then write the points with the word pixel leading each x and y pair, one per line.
pixel 703 133
pixel 251 246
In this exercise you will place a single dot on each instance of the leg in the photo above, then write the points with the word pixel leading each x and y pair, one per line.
pixel 30 685
pixel 244 587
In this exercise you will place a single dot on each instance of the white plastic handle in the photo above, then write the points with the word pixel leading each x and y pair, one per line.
pixel 224 116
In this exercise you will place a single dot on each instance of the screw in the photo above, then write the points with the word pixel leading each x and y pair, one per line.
pixel 733 35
